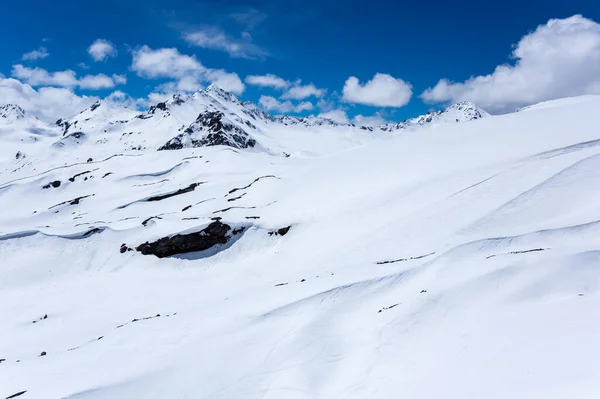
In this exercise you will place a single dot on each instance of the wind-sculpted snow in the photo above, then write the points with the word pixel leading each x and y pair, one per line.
pixel 440 259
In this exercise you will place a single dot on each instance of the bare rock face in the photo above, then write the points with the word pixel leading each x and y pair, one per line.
pixel 210 129
pixel 215 233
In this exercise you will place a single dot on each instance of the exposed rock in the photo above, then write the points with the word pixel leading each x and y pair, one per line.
pixel 215 233
pixel 125 248
pixel 15 395
pixel 55 184
pixel 280 232
pixel 72 179
pixel 385 262
pixel 188 189
pixel 210 129
pixel 249 185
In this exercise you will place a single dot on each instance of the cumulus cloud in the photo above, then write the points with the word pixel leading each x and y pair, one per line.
pixel 170 63
pixel 47 103
pixel 101 49
pixel 227 81
pixel 268 80
pixel 41 77
pixel 215 39
pixel 119 79
pixel 558 59
pixel 96 82
pixel 336 115
pixel 300 92
pixel 272 104
pixel 382 91
pixel 38 54
pixel 374 120
pixel 68 78
pixel 164 63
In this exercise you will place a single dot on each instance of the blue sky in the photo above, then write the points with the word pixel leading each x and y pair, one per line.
pixel 324 43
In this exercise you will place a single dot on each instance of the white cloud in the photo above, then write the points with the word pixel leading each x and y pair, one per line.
pixel 374 120
pixel 41 77
pixel 215 39
pixel 558 59
pixel 164 63
pixel 83 65
pixel 47 103
pixel 301 92
pixel 169 63
pixel 119 79
pixel 268 80
pixel 38 54
pixel 101 49
pixel 336 115
pixel 230 82
pixel 68 78
pixel 272 104
pixel 382 91
pixel 96 82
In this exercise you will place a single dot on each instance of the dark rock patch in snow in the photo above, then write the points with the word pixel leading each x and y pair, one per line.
pixel 188 189
pixel 40 319
pixel 520 252
pixel 92 231
pixel 72 178
pixel 15 395
pixel 385 262
pixel 124 248
pixel 161 197
pixel 388 307
pixel 74 201
pixel 214 234
pixel 236 198
pixel 145 222
pixel 234 207
pixel 55 184
pixel 249 185
pixel 280 232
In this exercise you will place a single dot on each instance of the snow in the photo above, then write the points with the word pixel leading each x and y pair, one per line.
pixel 453 260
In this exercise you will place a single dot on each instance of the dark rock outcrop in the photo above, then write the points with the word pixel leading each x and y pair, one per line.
pixel 55 184
pixel 185 190
pixel 280 232
pixel 210 129
pixel 215 233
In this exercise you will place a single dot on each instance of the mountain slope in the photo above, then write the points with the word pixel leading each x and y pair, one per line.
pixel 456 261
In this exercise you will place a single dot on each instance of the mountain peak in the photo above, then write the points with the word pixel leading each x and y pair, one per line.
pixel 465 111
pixel 219 94
pixel 11 112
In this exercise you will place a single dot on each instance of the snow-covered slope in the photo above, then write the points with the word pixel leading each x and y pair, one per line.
pixel 456 261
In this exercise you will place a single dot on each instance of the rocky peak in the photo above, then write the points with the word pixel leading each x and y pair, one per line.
pixel 209 129
pixel 465 111
pixel 221 95
pixel 11 113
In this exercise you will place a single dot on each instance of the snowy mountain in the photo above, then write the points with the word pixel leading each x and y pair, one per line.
pixel 215 117
pixel 253 256
pixel 461 112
